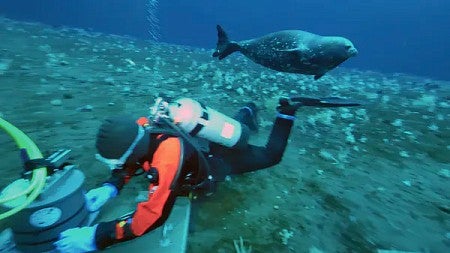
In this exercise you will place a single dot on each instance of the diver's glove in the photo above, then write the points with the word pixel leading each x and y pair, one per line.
pixel 97 197
pixel 286 109
pixel 77 240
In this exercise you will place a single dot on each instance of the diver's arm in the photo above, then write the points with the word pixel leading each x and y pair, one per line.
pixel 278 139
pixel 151 213
pixel 257 157
pixel 97 197
pixel 148 216
pixel 118 179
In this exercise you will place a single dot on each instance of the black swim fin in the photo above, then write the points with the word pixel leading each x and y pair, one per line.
pixel 325 102
pixel 224 46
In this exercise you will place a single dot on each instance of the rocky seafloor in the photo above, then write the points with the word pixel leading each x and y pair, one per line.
pixel 352 179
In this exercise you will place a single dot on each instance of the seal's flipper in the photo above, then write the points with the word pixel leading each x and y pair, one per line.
pixel 222 37
pixel 294 52
pixel 325 102
pixel 224 46
pixel 316 77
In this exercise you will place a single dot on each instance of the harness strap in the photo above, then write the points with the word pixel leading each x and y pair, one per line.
pixel 203 173
pixel 200 126
pixel 32 164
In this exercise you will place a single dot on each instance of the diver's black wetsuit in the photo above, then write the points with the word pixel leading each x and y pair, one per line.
pixel 252 157
pixel 224 161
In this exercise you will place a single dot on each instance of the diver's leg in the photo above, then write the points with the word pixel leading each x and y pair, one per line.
pixel 247 115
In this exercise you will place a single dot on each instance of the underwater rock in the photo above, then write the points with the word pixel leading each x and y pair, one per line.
pixel 431 86
pixel 394 251
pixel 314 250
pixel 109 80
pixel 444 173
pixel 285 236
pixel 86 108
pixel 56 102
pixel 67 96
pixel 4 65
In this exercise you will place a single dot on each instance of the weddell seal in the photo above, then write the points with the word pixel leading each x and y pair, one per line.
pixel 292 51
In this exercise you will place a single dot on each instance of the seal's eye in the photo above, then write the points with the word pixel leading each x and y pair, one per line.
pixel 348 47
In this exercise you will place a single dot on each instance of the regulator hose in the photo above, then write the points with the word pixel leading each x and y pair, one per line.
pixel 38 177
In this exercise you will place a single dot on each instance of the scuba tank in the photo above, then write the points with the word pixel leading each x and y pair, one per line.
pixel 201 121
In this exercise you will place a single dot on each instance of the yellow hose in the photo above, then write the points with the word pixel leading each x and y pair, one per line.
pixel 20 194
pixel 39 175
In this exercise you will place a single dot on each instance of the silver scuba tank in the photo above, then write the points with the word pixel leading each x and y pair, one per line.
pixel 201 121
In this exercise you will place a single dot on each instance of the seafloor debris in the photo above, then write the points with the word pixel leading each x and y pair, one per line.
pixel 240 247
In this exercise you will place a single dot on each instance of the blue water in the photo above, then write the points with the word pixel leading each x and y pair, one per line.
pixel 392 36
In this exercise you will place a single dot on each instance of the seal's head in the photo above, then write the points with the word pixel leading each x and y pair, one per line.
pixel 341 47
pixel 349 48
pixel 334 51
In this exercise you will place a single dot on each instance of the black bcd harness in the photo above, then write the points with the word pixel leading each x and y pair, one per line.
pixel 203 178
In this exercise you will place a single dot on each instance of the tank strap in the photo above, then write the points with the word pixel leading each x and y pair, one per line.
pixel 200 126
pixel 56 161
pixel 33 164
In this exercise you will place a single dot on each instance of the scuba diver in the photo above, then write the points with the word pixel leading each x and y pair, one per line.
pixel 183 147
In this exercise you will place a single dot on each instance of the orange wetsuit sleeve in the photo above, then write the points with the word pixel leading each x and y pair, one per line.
pixel 153 212
pixel 166 160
